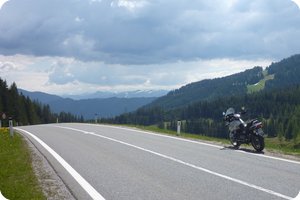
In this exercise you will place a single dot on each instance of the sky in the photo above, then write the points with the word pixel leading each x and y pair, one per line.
pixel 84 46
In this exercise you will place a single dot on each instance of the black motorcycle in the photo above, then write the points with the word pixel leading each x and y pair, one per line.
pixel 241 132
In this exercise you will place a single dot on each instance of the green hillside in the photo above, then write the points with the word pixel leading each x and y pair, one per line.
pixel 286 73
pixel 277 75
pixel 210 89
pixel 259 85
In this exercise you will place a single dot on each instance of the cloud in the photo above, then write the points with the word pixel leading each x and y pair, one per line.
pixel 7 66
pixel 61 75
pixel 73 46
pixel 2 2
pixel 160 76
pixel 131 5
pixel 297 2
pixel 148 32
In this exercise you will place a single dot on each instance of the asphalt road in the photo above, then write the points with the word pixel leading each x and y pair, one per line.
pixel 105 162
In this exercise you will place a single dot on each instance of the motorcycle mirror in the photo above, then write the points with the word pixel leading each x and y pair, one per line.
pixel 243 110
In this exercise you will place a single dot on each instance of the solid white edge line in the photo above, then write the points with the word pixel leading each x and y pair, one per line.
pixel 2 197
pixel 184 163
pixel 82 182
pixel 197 142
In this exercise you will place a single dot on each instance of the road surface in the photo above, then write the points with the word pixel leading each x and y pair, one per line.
pixel 115 163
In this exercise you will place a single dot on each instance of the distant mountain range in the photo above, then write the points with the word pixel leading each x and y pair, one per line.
pixel 127 94
pixel 90 107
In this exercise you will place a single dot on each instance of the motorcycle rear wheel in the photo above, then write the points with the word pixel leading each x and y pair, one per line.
pixel 258 142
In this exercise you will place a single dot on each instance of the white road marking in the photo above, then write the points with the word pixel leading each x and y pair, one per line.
pixel 84 184
pixel 159 135
pixel 197 142
pixel 184 163
pixel 297 197
pixel 2 197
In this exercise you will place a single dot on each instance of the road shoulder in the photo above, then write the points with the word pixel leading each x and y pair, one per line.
pixel 52 185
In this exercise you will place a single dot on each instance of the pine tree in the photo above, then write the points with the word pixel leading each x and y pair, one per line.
pixel 280 131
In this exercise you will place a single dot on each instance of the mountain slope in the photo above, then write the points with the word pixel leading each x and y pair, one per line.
pixel 235 84
pixel 277 75
pixel 286 73
pixel 40 96
pixel 91 108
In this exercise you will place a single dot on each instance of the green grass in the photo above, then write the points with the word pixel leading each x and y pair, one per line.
pixel 285 147
pixel 17 179
pixel 273 145
pixel 260 85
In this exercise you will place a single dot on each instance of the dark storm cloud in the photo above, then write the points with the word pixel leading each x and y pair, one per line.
pixel 150 31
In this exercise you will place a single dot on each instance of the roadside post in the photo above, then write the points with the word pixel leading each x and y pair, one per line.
pixel 178 127
pixel 3 116
pixel 11 129
pixel 96 118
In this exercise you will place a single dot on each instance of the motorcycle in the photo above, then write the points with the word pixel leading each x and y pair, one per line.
pixel 241 132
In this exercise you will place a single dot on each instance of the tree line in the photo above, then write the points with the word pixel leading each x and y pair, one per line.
pixel 23 111
pixel 279 110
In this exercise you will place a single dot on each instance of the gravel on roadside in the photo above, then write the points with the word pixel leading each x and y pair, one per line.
pixel 52 185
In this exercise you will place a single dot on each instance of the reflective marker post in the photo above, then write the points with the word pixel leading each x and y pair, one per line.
pixel 11 129
pixel 96 118
pixel 178 127
pixel 3 116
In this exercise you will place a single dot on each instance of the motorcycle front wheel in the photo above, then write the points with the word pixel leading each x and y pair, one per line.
pixel 258 142
pixel 233 141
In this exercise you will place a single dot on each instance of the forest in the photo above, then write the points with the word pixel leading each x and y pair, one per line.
pixel 24 111
pixel 278 109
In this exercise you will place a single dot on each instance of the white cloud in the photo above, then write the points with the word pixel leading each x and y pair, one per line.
pixel 7 66
pixel 297 2
pixel 95 1
pixel 2 2
pixel 59 75
pixel 78 43
pixel 78 19
pixel 131 5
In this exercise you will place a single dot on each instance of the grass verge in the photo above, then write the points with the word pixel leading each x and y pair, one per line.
pixel 285 147
pixel 17 179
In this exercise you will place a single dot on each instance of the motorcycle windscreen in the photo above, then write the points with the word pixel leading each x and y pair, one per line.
pixel 229 111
